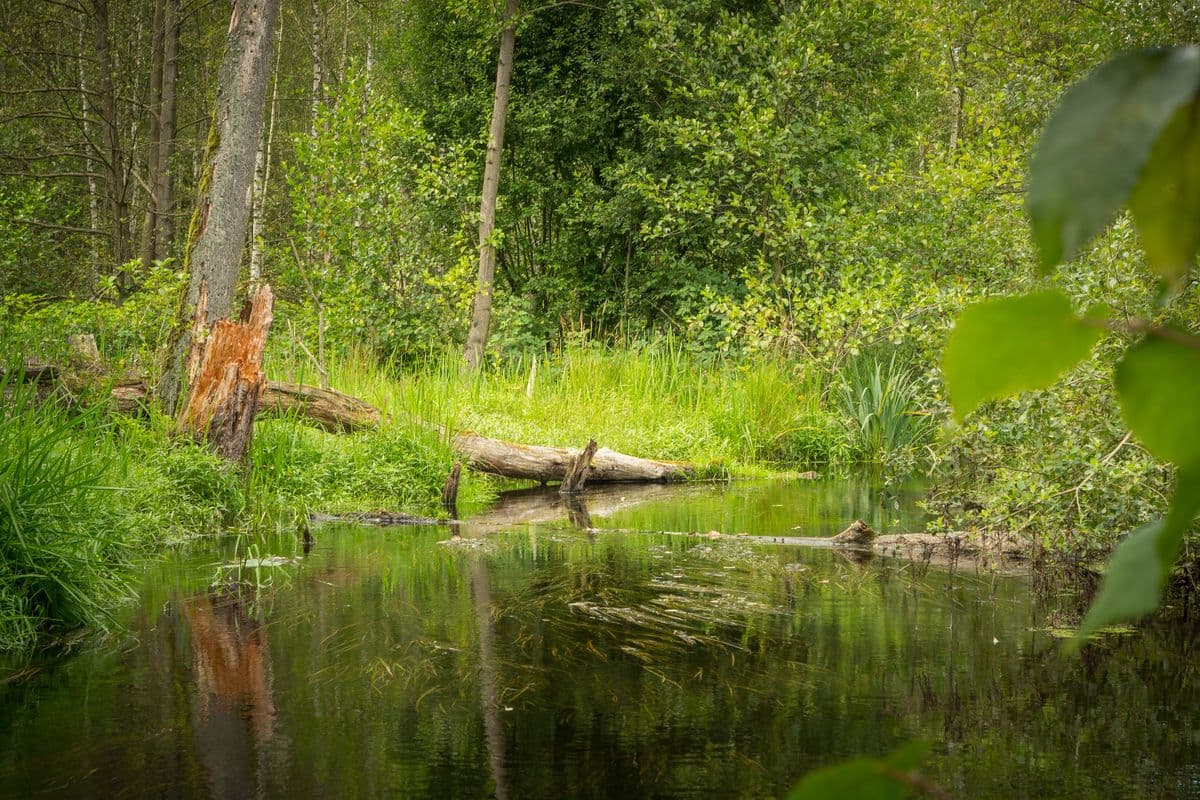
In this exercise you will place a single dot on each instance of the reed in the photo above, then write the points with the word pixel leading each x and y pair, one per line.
pixel 882 398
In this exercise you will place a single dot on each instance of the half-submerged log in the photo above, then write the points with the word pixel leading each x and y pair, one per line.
pixel 545 464
pixel 858 533
pixel 226 379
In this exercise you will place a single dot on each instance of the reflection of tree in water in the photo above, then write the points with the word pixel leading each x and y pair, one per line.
pixel 234 714
pixel 489 695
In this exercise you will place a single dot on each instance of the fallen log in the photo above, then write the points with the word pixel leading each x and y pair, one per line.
pixel 332 410
pixel 545 464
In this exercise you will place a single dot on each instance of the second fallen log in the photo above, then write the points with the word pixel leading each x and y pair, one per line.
pixel 545 464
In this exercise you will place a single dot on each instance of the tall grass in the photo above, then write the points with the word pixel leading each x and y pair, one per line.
pixel 655 401
pixel 61 556
pixel 882 401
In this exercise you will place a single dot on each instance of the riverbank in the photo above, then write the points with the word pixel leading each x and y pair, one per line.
pixel 146 489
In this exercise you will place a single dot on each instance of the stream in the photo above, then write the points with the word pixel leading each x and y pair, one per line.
pixel 544 651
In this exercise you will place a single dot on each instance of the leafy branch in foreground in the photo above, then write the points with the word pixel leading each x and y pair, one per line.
pixel 893 777
pixel 1128 135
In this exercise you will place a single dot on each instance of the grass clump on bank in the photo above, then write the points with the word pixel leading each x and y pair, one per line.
pixel 61 555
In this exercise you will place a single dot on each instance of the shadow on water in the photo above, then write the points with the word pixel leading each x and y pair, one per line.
pixel 530 653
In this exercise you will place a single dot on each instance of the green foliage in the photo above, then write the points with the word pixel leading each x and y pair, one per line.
pixel 1094 148
pixel 1166 201
pixel 1091 162
pixel 1151 379
pixel 377 241
pixel 128 332
pixel 1141 565
pixel 1013 344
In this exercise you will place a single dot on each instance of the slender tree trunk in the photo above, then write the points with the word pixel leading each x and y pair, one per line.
pixel 89 163
pixel 956 98
pixel 149 245
pixel 317 73
pixel 262 170
pixel 217 235
pixel 110 136
pixel 164 190
pixel 481 314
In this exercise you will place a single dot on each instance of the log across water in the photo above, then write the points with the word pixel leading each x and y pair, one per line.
pixel 541 463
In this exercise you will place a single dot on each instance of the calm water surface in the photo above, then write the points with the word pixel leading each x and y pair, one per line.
pixel 531 659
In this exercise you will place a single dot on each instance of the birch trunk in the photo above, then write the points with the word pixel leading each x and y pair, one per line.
pixel 481 314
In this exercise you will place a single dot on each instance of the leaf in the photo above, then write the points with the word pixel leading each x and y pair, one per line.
pixel 864 778
pixel 1013 344
pixel 1141 564
pixel 1093 148
pixel 1166 201
pixel 1158 382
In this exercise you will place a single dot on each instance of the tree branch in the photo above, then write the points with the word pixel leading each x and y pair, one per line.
pixel 1135 325
pixel 33 223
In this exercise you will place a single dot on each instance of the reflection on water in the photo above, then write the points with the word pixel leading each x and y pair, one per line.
pixel 528 658
pixel 232 709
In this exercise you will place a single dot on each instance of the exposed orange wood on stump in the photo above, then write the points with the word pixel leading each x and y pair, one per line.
pixel 225 391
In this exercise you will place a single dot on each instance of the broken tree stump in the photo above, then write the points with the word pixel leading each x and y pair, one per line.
pixel 577 473
pixel 228 382
pixel 450 490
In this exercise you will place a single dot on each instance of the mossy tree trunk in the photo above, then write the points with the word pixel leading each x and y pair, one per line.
pixel 217 233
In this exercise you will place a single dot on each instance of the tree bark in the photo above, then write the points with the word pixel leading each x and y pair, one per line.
pixel 217 234
pixel 262 171
pixel 332 410
pixel 481 314
pixel 110 137
pixel 164 188
pixel 577 474
pixel 149 245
